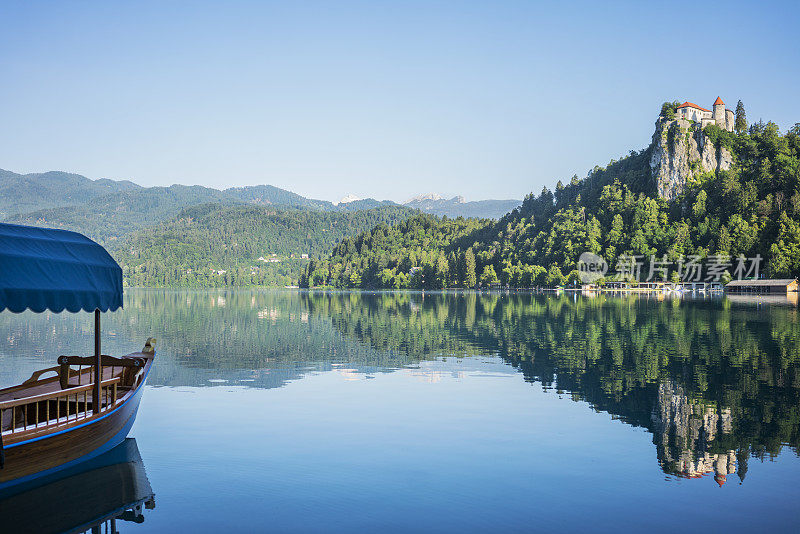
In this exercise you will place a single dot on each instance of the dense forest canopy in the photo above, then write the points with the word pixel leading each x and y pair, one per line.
pixel 111 217
pixel 20 193
pixel 215 245
pixel 752 209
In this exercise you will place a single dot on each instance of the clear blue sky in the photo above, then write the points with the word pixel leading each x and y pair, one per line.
pixel 380 99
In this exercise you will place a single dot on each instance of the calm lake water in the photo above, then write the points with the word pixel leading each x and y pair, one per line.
pixel 293 411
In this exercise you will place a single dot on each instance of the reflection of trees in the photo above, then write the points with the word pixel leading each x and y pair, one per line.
pixel 406 327
pixel 252 337
pixel 710 380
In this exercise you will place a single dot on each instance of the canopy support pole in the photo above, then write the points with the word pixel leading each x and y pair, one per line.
pixel 98 366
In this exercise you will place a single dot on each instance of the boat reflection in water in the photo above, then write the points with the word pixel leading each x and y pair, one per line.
pixel 89 497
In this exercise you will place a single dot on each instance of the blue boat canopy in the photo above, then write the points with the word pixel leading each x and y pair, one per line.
pixel 47 269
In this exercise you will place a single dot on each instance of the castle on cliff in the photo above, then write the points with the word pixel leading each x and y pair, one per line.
pixel 681 149
pixel 721 116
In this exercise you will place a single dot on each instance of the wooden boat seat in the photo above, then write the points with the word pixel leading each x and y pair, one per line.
pixel 129 368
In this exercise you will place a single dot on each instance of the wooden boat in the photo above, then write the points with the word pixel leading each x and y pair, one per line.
pixel 92 496
pixel 85 405
pixel 50 422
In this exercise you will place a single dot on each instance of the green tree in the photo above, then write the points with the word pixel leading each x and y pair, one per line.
pixel 617 229
pixel 400 281
pixel 533 275
pixel 554 277
pixel 442 272
pixel 668 109
pixel 724 243
pixel 699 206
pixel 740 123
pixel 318 277
pixel 785 251
pixel 573 278
pixel 488 276
pixel 387 277
pixel 470 278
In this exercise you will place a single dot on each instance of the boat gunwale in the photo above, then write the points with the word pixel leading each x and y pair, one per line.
pixel 52 395
pixel 94 418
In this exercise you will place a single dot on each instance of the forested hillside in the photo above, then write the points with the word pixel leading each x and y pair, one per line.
pixel 268 195
pixel 424 247
pixel 110 217
pixel 27 192
pixel 753 208
pixel 220 245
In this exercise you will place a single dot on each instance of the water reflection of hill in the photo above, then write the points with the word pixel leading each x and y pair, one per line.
pixel 713 381
pixel 251 338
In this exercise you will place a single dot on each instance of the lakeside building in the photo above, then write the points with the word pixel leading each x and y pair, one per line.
pixel 777 286
pixel 720 116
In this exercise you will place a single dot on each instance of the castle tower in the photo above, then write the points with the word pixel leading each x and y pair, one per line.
pixel 719 113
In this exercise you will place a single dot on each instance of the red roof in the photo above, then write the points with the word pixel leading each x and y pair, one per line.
pixel 719 102
pixel 693 105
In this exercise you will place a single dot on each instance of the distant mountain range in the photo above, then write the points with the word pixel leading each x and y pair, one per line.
pixel 110 209
pixel 107 210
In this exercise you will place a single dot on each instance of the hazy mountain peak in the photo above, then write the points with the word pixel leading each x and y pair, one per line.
pixel 422 198
pixel 459 206
pixel 348 199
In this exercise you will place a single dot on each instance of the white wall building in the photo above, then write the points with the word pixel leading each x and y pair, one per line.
pixel 720 116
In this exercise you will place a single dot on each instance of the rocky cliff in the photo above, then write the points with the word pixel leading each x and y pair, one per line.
pixel 680 152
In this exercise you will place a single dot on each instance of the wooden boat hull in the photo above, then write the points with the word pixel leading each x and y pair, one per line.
pixel 45 455
pixel 112 486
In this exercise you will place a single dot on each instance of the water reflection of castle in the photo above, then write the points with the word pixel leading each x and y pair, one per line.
pixel 685 434
pixel 729 368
